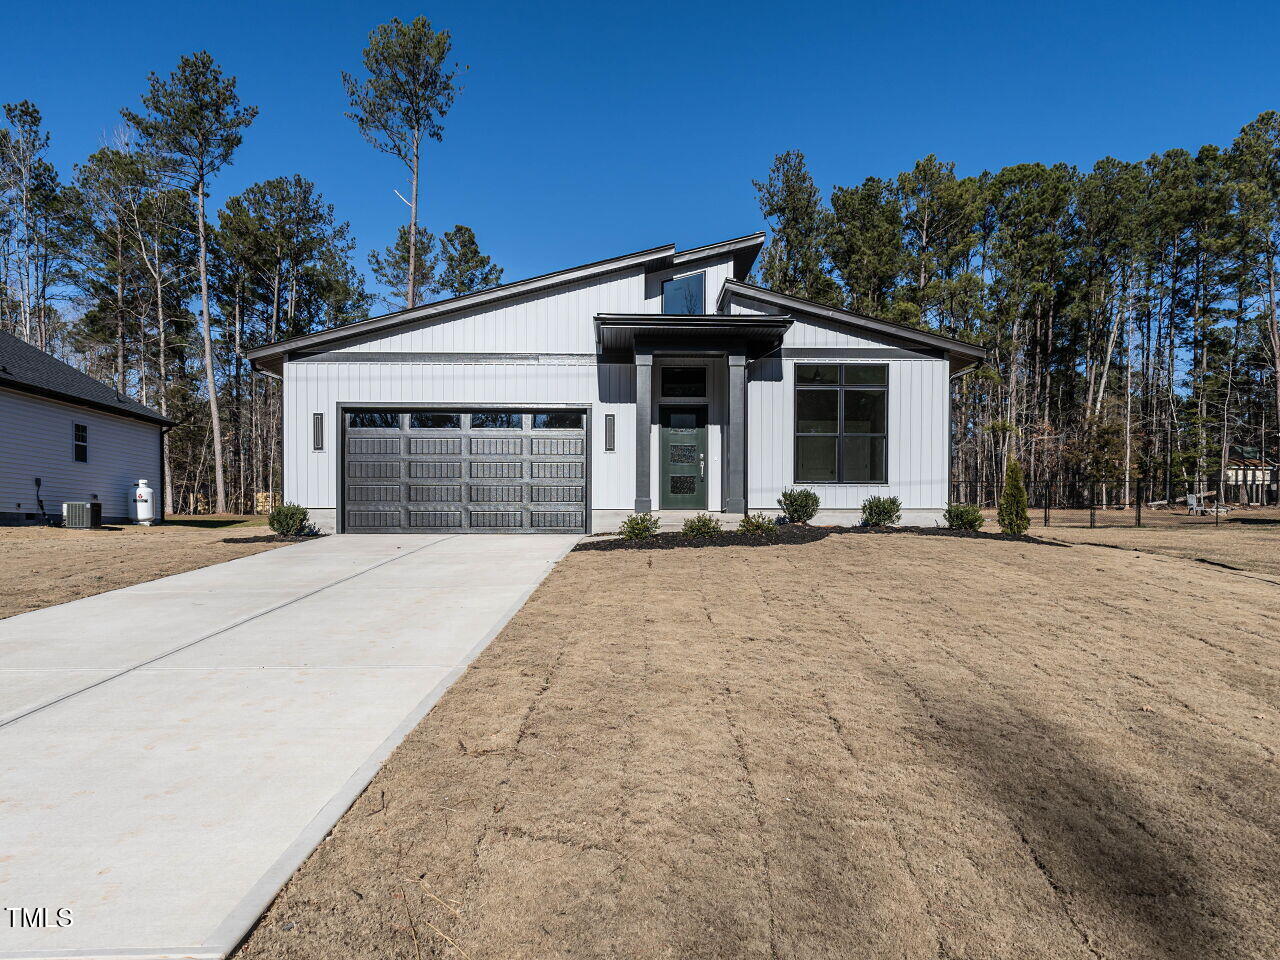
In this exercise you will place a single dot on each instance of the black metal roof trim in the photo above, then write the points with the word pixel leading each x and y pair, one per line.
pixel 849 318
pixel 28 369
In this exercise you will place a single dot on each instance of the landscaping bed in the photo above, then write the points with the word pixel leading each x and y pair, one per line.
pixel 785 533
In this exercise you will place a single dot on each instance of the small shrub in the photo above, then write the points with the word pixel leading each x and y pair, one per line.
pixel 963 516
pixel 290 520
pixel 1012 515
pixel 638 526
pixel 881 511
pixel 757 524
pixel 701 525
pixel 799 505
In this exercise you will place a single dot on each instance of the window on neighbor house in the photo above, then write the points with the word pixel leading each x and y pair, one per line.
pixel 684 295
pixel 80 443
pixel 842 423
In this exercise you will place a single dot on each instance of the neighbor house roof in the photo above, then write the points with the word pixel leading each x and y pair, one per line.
pixel 744 249
pixel 967 351
pixel 30 370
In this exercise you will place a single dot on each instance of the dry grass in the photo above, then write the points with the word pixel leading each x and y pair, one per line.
pixel 1247 539
pixel 868 746
pixel 41 566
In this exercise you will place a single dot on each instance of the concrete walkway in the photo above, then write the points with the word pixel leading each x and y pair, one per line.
pixel 171 752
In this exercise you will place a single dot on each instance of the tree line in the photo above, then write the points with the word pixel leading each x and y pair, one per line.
pixel 123 270
pixel 1130 310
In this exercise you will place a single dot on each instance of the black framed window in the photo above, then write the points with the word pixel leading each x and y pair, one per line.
pixel 80 442
pixel 496 420
pixel 684 381
pixel 842 423
pixel 685 295
pixel 374 420
pixel 435 421
pixel 557 420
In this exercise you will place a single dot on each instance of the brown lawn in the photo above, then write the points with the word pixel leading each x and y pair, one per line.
pixel 41 566
pixel 892 746
pixel 1246 539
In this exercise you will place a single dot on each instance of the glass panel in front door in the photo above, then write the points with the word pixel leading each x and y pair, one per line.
pixel 683 448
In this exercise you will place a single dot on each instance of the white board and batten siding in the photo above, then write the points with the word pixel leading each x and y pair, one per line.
pixel 917 441
pixel 37 440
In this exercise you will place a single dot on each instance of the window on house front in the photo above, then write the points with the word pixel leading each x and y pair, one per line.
pixel 80 443
pixel 371 420
pixel 841 423
pixel 559 420
pixel 684 295
pixel 496 420
pixel 684 382
pixel 435 421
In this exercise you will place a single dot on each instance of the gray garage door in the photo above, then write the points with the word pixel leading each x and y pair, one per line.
pixel 463 471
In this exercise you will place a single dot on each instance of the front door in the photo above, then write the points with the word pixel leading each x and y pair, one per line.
pixel 682 451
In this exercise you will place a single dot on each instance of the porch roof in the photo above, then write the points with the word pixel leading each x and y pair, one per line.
pixel 757 333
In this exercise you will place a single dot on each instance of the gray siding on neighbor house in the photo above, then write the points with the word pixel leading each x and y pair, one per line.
pixel 36 440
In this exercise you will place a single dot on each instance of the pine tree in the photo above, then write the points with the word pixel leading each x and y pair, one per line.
pixel 404 99
pixel 794 262
pixel 194 123
pixel 1012 513
pixel 463 268
pixel 390 266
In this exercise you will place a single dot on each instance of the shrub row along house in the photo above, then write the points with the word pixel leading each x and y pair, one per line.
pixel 65 436
pixel 659 380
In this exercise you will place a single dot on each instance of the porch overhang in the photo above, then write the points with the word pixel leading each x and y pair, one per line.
pixel 757 335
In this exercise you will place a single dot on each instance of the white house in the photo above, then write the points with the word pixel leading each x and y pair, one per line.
pixel 65 436
pixel 657 380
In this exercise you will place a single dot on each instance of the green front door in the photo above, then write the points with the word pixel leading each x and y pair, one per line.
pixel 682 449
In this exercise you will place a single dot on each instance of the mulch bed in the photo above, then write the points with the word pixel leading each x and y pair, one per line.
pixel 269 538
pixel 790 533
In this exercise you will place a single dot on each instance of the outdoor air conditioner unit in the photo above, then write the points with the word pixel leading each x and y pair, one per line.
pixel 82 515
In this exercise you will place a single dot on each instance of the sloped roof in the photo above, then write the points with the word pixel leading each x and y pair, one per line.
pixel 745 249
pixel 30 370
pixel 897 331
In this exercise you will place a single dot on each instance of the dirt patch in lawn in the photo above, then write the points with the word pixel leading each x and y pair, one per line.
pixel 866 746
pixel 41 566
pixel 1247 539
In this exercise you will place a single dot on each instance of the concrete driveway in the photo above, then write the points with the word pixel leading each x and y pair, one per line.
pixel 170 752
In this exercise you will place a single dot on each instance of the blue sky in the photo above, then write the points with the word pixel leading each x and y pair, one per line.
pixel 593 129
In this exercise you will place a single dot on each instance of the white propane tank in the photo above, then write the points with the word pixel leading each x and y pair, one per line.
pixel 144 510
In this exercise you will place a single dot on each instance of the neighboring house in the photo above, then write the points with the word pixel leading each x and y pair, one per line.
pixel 66 436
pixel 1255 476
pixel 515 408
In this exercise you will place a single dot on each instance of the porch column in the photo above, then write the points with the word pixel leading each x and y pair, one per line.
pixel 735 500
pixel 644 428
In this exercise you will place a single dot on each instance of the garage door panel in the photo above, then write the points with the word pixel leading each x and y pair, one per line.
pixel 490 519
pixel 556 447
pixel 504 446
pixel 435 493
pixel 556 471
pixel 451 470
pixel 497 469
pixel 496 493
pixel 421 446
pixel 435 519
pixel 373 469
pixel 435 469
pixel 366 493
